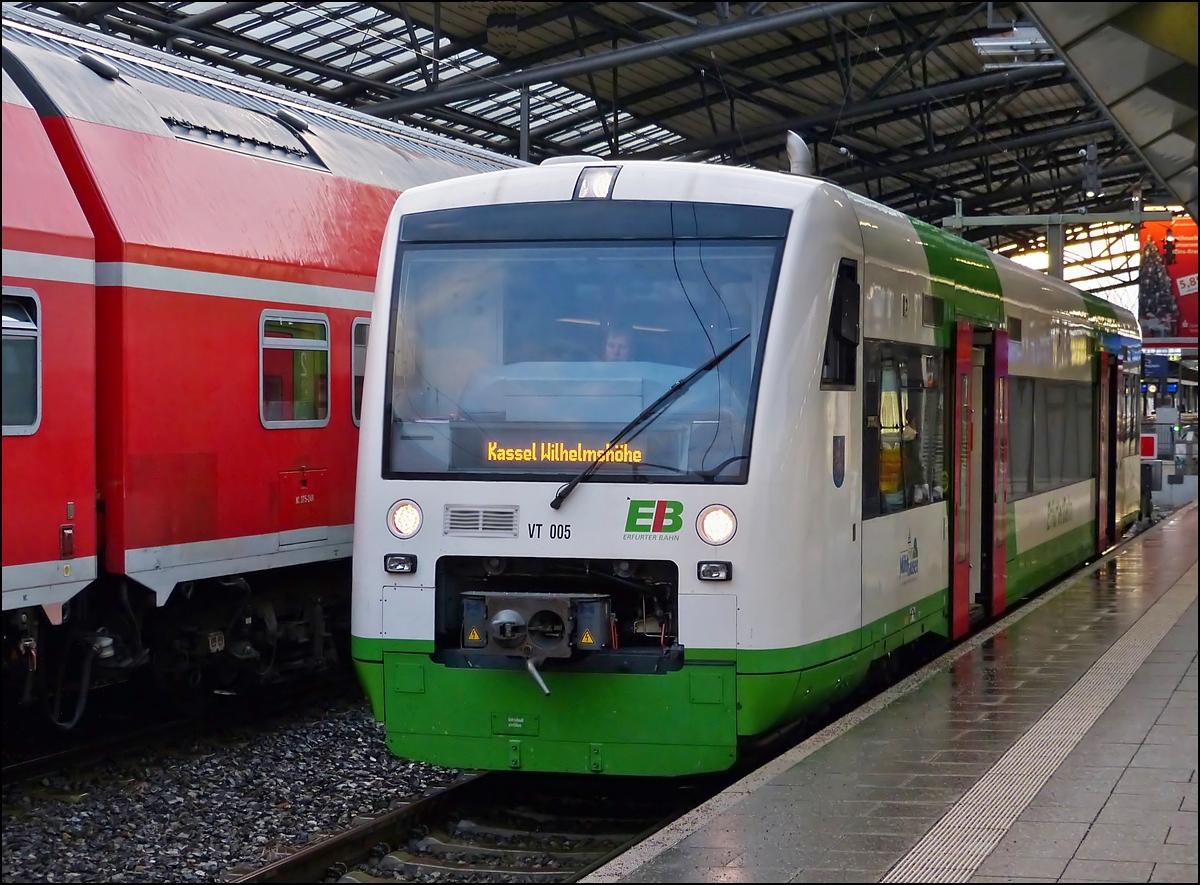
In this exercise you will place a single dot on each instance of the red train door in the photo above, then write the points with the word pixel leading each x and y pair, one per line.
pixel 999 526
pixel 1106 452
pixel 1104 531
pixel 960 581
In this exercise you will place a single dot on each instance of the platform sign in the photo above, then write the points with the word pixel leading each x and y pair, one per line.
pixel 1155 365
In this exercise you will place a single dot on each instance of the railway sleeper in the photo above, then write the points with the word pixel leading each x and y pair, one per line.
pixel 580 821
pixel 470 829
pixel 451 850
pixel 412 867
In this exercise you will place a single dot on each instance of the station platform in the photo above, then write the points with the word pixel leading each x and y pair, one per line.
pixel 1058 744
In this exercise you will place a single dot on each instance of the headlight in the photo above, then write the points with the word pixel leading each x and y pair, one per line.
pixel 404 519
pixel 399 563
pixel 716 524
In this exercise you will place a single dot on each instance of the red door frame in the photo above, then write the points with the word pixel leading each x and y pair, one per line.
pixel 999 558
pixel 960 546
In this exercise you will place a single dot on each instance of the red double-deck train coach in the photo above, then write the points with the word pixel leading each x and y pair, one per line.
pixel 188 267
pixel 49 371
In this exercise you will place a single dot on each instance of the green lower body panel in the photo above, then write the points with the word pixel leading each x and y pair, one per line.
pixel 370 677
pixel 677 723
pixel 813 676
pixel 684 722
pixel 768 701
pixel 1039 566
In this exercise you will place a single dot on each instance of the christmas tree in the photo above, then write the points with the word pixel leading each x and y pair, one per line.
pixel 1158 311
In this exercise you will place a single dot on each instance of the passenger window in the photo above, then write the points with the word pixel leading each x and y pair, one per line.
pixel 1051 435
pixel 841 340
pixel 1085 421
pixel 1042 433
pixel 872 395
pixel 1133 406
pixel 22 362
pixel 891 477
pixel 1020 438
pixel 294 368
pixel 903 428
pixel 360 329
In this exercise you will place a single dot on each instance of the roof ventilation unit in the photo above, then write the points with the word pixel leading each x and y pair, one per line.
pixel 289 118
pixel 799 159
pixel 574 158
pixel 101 66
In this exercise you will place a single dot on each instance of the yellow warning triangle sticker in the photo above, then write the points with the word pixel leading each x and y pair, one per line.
pixel 587 638
pixel 473 636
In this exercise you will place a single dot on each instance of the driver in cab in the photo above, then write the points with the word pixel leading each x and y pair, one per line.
pixel 618 345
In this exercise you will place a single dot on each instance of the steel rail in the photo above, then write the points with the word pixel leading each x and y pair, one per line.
pixel 310 863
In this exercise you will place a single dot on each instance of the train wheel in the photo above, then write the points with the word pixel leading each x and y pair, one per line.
pixel 180 677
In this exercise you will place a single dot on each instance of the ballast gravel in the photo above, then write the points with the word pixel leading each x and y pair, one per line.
pixel 198 811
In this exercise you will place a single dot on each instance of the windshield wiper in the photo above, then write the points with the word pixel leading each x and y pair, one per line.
pixel 645 416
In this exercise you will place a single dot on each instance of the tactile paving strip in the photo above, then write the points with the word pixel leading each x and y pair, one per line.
pixel 960 842
pixel 670 836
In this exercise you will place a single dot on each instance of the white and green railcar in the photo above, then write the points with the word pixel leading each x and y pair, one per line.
pixel 656 458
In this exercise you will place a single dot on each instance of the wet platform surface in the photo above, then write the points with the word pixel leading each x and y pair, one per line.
pixel 854 808
pixel 1122 806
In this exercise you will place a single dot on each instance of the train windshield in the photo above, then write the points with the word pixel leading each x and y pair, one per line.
pixel 522 359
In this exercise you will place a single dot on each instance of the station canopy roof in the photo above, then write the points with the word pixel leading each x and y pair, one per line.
pixel 1151 93
pixel 913 104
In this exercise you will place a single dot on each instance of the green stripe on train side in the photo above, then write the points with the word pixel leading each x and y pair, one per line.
pixel 776 686
pixel 363 649
pixel 1040 565
pixel 962 275
pixel 1098 308
pixel 1111 330
pixel 802 657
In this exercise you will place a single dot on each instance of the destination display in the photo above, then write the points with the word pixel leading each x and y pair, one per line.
pixel 536 448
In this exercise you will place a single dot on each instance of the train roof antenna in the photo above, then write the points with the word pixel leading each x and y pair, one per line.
pixel 798 155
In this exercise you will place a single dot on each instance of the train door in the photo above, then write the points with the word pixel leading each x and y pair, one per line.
pixel 979 536
pixel 978 362
pixel 960 571
pixel 994 549
pixel 1106 455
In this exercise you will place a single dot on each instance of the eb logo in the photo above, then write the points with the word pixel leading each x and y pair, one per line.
pixel 654 516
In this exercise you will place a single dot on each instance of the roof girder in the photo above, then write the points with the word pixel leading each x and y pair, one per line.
pixel 899 101
pixel 615 58
pixel 816 70
pixel 913 45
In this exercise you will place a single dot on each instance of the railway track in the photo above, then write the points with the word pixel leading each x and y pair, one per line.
pixel 503 826
pixel 92 752
pixel 32 755
pixel 496 827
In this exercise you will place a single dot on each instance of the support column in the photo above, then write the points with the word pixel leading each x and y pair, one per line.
pixel 525 126
pixel 437 43
pixel 1054 248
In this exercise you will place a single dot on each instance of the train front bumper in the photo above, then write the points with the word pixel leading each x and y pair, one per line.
pixel 677 723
